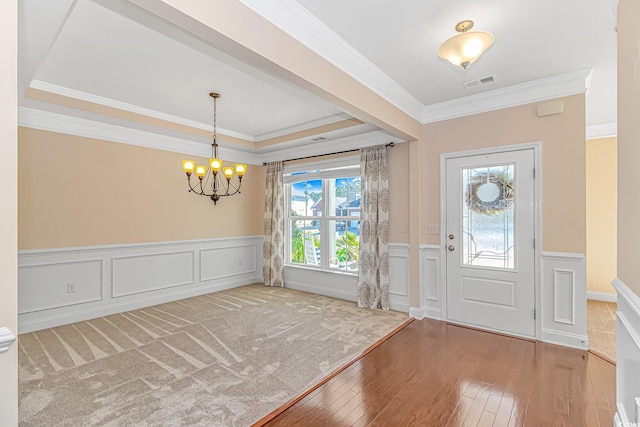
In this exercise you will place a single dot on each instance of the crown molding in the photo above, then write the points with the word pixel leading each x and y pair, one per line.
pixel 292 18
pixel 337 145
pixel 60 123
pixel 108 102
pixel 511 96
pixel 603 130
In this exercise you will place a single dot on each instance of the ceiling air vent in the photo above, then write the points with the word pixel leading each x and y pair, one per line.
pixel 470 84
pixel 318 139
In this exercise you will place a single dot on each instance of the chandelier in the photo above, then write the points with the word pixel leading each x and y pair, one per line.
pixel 463 49
pixel 211 184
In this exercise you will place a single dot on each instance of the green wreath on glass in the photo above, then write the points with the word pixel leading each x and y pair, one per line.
pixel 489 193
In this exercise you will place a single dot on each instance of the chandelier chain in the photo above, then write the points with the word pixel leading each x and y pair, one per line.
pixel 215 115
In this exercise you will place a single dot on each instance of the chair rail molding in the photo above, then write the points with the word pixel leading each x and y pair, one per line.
pixel 66 285
pixel 627 355
pixel 7 337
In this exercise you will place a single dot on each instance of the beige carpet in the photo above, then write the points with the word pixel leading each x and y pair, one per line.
pixel 221 359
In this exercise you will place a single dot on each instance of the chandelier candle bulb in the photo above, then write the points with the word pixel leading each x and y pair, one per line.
pixel 214 184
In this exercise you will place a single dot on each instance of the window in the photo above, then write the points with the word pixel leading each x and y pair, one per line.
pixel 323 218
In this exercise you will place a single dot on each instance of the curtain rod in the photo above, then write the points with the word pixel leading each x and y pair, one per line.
pixel 391 144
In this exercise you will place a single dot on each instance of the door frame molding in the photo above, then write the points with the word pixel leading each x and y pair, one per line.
pixel 537 161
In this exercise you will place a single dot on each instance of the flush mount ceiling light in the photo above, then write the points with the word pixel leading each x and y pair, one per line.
pixel 465 48
pixel 211 184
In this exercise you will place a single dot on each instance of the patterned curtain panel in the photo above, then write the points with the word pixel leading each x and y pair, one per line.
pixel 373 273
pixel 273 247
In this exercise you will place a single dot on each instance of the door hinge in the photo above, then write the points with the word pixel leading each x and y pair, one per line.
pixel 534 243
pixel 534 173
pixel 534 314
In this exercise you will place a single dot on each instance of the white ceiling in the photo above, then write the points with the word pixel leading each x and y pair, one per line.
pixel 114 53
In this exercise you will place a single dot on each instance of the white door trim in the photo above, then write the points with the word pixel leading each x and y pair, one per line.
pixel 537 158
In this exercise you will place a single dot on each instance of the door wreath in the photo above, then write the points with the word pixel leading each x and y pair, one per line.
pixel 489 193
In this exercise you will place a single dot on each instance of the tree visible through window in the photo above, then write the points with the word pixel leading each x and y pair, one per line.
pixel 324 221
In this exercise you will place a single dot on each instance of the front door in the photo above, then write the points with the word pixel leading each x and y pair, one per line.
pixel 490 226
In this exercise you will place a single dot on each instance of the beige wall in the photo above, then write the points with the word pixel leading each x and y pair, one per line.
pixel 628 143
pixel 563 164
pixel 8 208
pixel 399 189
pixel 602 201
pixel 77 191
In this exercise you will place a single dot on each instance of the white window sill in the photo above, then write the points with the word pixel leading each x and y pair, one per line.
pixel 321 270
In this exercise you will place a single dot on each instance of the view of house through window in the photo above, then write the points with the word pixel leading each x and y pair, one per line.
pixel 323 224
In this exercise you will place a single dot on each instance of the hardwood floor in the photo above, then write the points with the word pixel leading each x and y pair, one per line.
pixel 601 327
pixel 435 374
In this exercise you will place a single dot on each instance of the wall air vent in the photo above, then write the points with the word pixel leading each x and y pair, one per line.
pixel 470 84
pixel 318 139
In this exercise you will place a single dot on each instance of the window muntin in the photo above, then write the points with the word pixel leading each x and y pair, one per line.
pixel 323 222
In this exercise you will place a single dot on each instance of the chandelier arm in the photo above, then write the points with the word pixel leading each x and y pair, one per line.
pixel 237 189
pixel 195 190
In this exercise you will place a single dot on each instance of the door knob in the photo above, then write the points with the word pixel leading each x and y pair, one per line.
pixel 451 248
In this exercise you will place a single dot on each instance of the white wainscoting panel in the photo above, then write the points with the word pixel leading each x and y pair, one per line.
pixel 46 284
pixel 115 278
pixel 227 262
pixel 431 286
pixel 399 277
pixel 627 355
pixel 345 286
pixel 134 274
pixel 564 300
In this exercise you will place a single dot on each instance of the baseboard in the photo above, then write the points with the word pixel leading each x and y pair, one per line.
pixel 428 312
pixel 65 285
pixel 108 309
pixel 602 296
pixel 581 342
pixel 416 313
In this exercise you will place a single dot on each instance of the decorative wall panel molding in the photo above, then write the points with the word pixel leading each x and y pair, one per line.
pixel 564 300
pixel 564 296
pixel 65 285
pixel 431 286
pixel 345 286
pixel 628 354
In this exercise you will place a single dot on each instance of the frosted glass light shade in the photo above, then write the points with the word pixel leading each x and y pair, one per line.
pixel 188 166
pixel 228 172
pixel 465 48
pixel 241 169
pixel 201 171
pixel 215 164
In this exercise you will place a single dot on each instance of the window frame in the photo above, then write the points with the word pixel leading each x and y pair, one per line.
pixel 325 171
